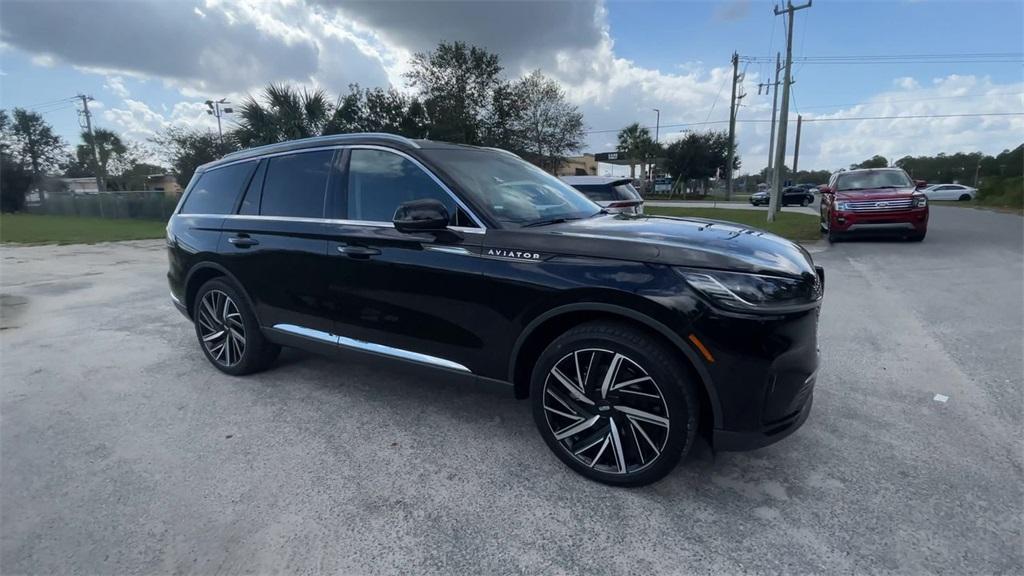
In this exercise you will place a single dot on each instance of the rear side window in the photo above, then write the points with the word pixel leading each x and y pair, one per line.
pixel 217 190
pixel 251 200
pixel 295 184
pixel 601 193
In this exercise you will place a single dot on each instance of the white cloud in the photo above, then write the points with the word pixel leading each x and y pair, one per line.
pixel 115 85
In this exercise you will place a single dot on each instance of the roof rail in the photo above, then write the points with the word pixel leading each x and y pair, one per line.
pixel 502 150
pixel 329 139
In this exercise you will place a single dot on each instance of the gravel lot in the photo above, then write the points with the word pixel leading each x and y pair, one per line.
pixel 123 451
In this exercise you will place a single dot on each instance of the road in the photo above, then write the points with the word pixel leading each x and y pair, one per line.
pixel 122 451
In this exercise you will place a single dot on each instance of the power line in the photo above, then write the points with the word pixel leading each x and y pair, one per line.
pixel 843 119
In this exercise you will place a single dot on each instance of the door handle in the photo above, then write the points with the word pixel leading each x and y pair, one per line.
pixel 358 251
pixel 243 241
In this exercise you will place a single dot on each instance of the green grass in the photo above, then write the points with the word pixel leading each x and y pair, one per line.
pixel 795 226
pixel 43 229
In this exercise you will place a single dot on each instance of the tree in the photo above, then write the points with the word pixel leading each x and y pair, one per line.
pixel 110 152
pixel 33 143
pixel 875 161
pixel 699 156
pixel 285 113
pixel 501 125
pixel 547 125
pixel 456 82
pixel 635 143
pixel 15 182
pixel 378 110
pixel 187 149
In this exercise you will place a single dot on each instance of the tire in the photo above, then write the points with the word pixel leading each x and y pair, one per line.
pixel 627 436
pixel 917 237
pixel 833 237
pixel 804 202
pixel 964 198
pixel 220 308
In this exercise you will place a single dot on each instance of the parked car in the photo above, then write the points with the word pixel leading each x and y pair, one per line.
pixel 790 195
pixel 950 192
pixel 873 200
pixel 630 335
pixel 612 194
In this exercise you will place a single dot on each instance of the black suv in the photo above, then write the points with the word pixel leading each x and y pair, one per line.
pixel 630 335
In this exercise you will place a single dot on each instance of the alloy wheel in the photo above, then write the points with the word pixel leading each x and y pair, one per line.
pixel 606 411
pixel 220 328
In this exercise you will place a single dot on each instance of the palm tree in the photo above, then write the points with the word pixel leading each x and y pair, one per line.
pixel 284 114
pixel 635 142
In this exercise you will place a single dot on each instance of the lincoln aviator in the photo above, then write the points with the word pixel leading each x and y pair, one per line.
pixel 631 335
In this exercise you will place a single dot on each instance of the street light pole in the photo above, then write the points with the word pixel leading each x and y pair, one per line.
pixel 657 140
pixel 216 109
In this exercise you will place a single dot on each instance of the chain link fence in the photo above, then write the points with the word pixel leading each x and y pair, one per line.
pixel 142 205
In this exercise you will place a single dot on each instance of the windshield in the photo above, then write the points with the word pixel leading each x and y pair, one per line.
pixel 511 190
pixel 873 179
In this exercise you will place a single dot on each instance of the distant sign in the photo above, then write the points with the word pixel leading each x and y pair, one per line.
pixel 611 157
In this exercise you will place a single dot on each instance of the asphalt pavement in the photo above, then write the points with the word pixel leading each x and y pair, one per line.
pixel 123 451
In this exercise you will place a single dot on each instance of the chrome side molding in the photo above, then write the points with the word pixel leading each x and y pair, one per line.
pixel 370 347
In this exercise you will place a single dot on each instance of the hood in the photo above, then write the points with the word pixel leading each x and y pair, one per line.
pixel 875 193
pixel 695 242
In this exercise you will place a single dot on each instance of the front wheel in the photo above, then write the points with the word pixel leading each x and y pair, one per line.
pixel 917 237
pixel 805 201
pixel 614 403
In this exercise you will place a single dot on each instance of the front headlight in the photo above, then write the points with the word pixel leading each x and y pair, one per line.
pixel 920 201
pixel 753 292
pixel 843 206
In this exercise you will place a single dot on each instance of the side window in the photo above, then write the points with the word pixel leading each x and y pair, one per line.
pixel 295 184
pixel 217 190
pixel 251 200
pixel 379 181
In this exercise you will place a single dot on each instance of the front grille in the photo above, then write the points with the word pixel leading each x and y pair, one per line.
pixel 880 205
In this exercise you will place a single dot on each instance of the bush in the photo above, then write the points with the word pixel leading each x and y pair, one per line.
pixel 1008 192
pixel 14 184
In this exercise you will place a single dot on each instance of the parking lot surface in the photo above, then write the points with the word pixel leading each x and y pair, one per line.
pixel 123 451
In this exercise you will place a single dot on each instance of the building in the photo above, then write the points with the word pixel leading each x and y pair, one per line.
pixel 165 183
pixel 584 165
pixel 80 185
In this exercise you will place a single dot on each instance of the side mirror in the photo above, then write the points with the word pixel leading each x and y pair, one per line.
pixel 824 189
pixel 919 184
pixel 427 215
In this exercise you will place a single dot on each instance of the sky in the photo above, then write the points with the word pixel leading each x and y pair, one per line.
pixel 151 64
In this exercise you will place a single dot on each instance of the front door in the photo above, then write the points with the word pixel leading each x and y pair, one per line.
pixel 415 296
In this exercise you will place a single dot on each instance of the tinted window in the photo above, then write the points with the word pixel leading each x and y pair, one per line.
pixel 379 181
pixel 251 200
pixel 599 192
pixel 217 190
pixel 295 184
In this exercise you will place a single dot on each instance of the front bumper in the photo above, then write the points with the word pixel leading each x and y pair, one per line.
pixel 763 374
pixel 914 220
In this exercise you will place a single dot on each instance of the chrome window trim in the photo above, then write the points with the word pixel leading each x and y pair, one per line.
pixel 370 347
pixel 367 223
pixel 458 201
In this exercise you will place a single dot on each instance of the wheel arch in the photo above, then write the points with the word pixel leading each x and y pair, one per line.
pixel 206 271
pixel 547 326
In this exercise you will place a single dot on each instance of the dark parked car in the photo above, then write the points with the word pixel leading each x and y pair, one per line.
pixel 630 335
pixel 612 194
pixel 790 195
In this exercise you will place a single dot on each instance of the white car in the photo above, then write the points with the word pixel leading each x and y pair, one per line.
pixel 950 192
pixel 612 194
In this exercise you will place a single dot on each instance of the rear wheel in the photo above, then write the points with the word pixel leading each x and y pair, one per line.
pixel 805 201
pixel 228 332
pixel 965 197
pixel 614 403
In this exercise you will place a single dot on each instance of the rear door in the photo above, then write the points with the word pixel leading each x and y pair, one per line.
pixel 276 244
pixel 416 296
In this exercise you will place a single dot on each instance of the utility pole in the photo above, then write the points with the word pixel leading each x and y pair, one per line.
pixel 734 104
pixel 780 148
pixel 657 142
pixel 100 185
pixel 775 105
pixel 796 149
pixel 216 108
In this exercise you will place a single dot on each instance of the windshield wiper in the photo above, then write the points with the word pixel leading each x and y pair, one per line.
pixel 547 221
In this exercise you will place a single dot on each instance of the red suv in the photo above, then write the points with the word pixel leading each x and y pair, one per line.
pixel 879 200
